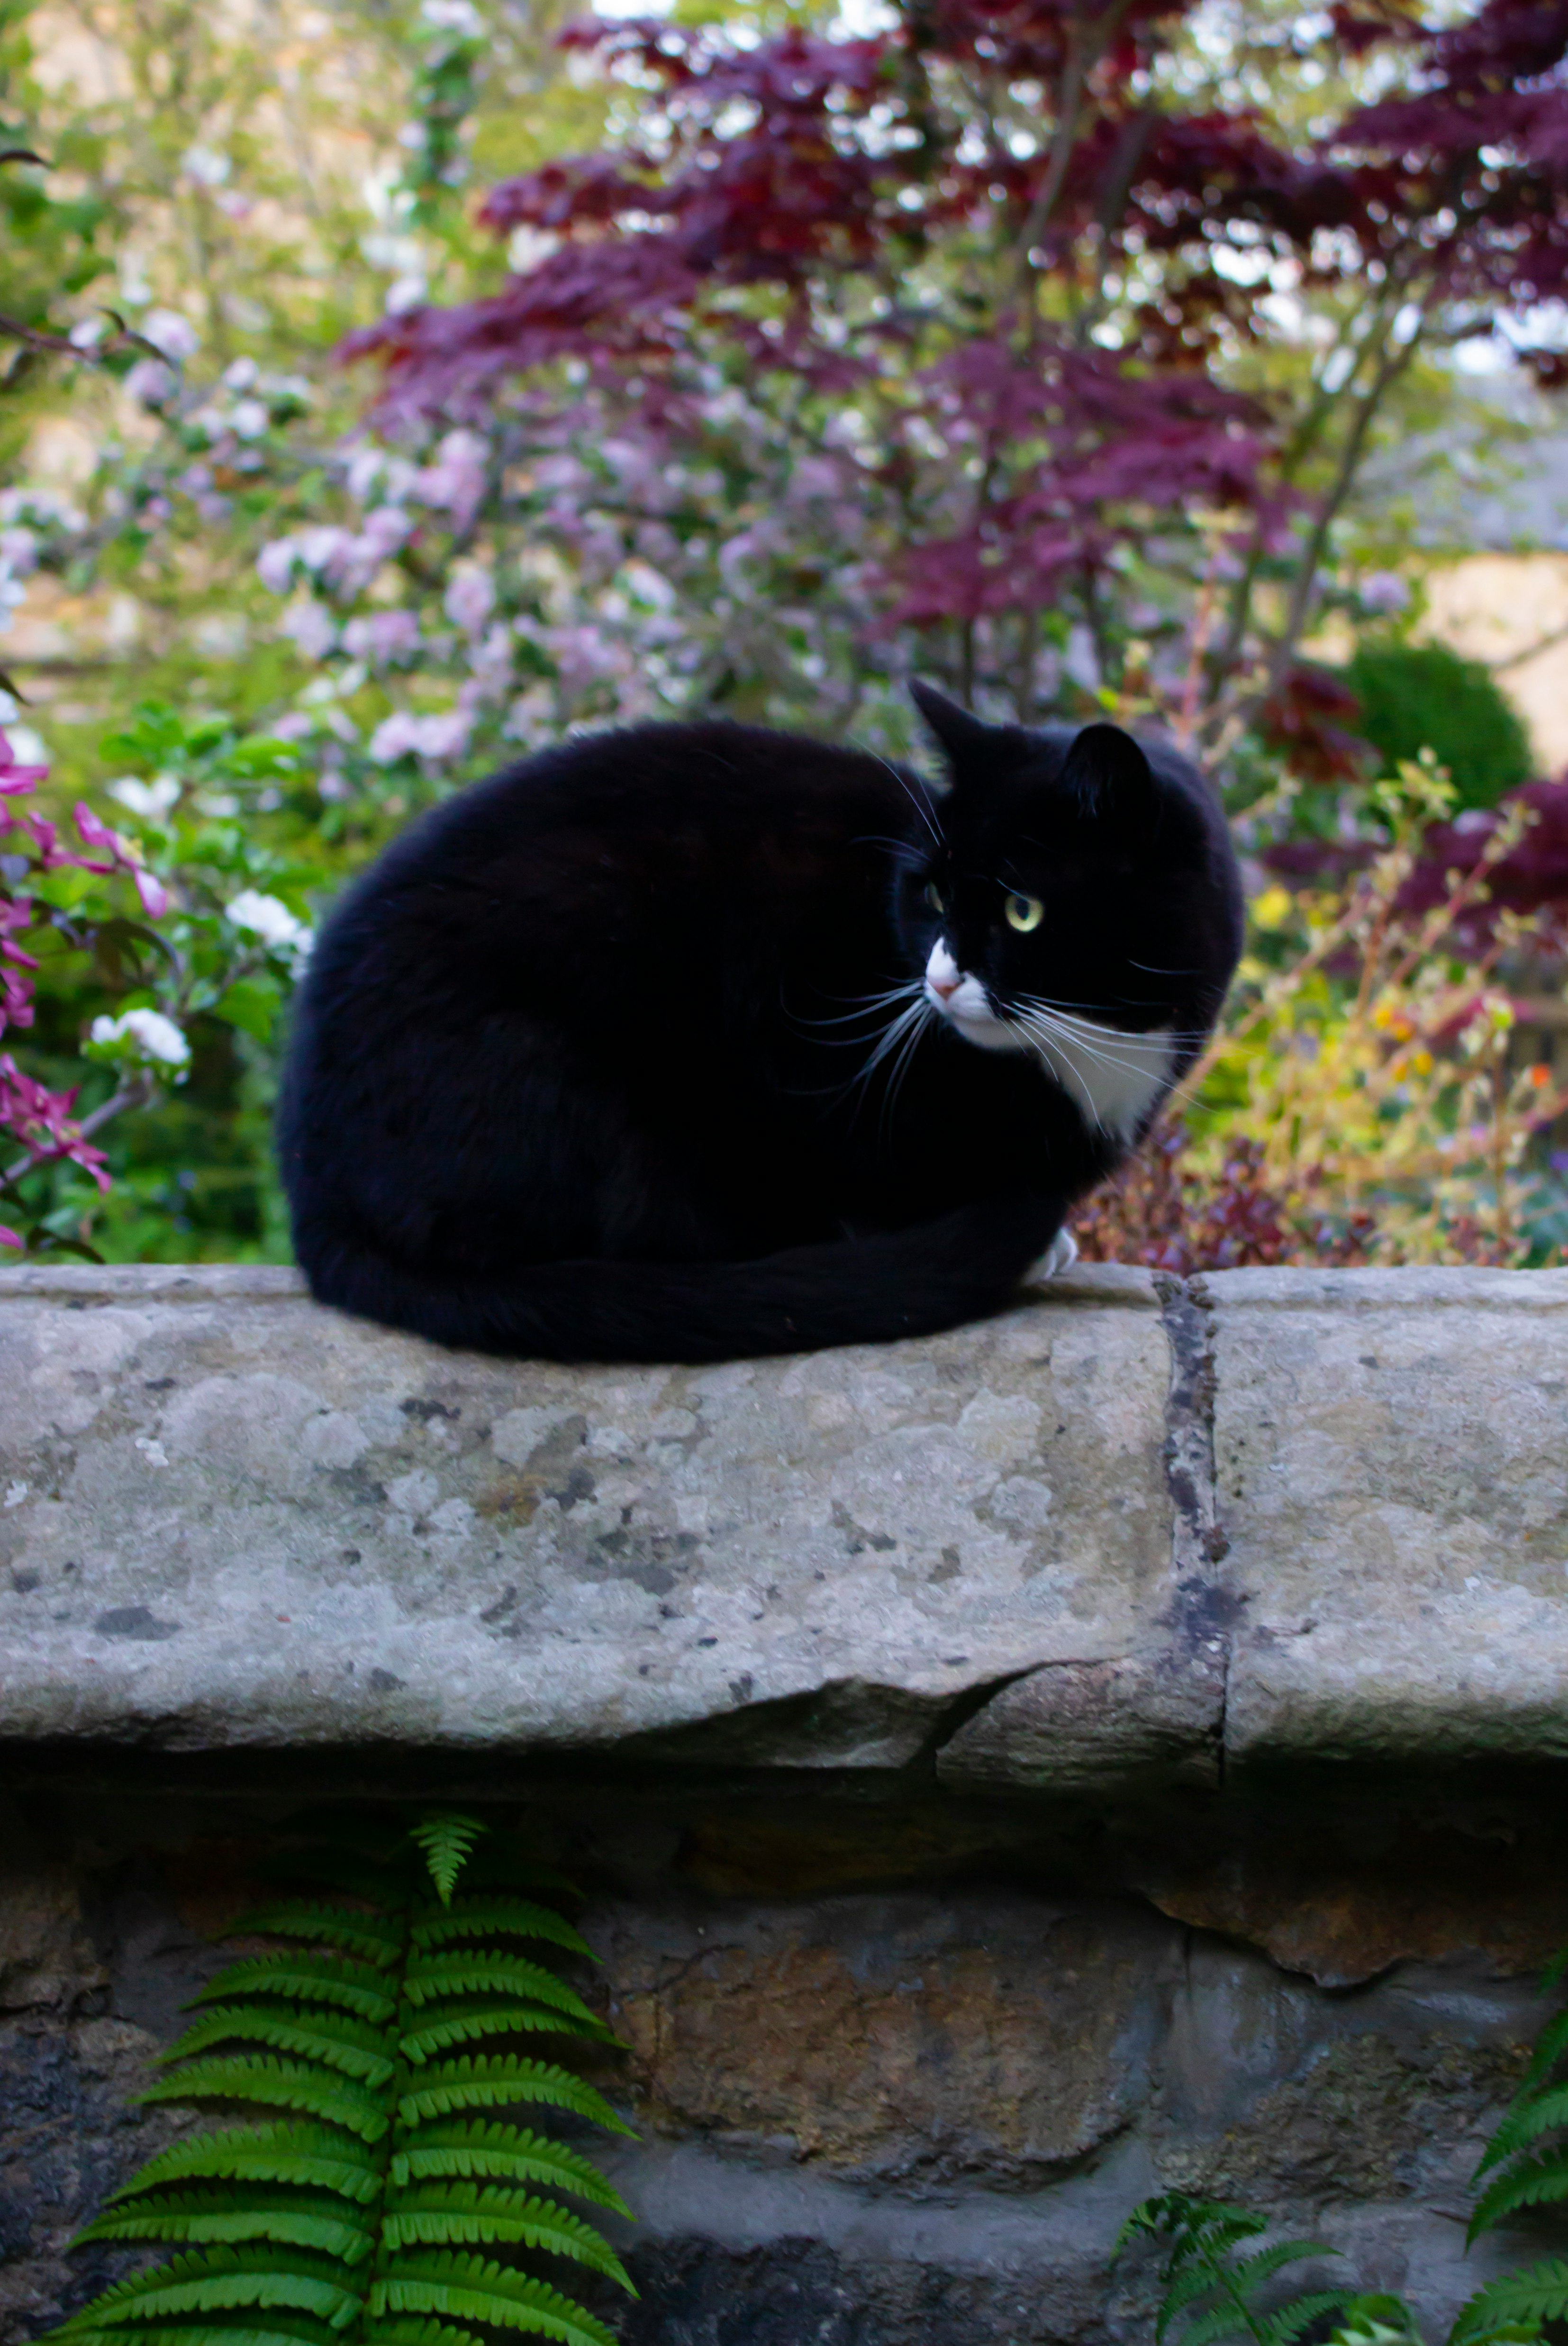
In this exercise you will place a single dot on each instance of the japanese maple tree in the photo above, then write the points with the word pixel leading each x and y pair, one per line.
pixel 1037 344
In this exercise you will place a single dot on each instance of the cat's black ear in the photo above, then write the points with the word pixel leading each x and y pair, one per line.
pixel 1109 774
pixel 963 735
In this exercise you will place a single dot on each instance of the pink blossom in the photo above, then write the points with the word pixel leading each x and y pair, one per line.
pixel 311 629
pixel 275 565
pixel 470 600
pixel 383 637
pixel 14 777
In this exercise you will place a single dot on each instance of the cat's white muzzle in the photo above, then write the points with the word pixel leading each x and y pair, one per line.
pixel 962 1000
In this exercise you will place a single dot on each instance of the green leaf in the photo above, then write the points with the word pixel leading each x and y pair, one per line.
pixel 365 1936
pixel 476 1918
pixel 304 1979
pixel 1249 2273
pixel 302 2155
pixel 410 2330
pixel 1287 2325
pixel 459 2027
pixel 1524 2125
pixel 1550 2046
pixel 234 2330
pixel 446 1840
pixel 1538 2294
pixel 479 2146
pixel 1531 2184
pixel 335 2040
pixel 476 2290
pixel 213 2279
pixel 431 1979
pixel 490 2081
pixel 206 2215
pixel 463 2214
pixel 252 1004
pixel 283 2084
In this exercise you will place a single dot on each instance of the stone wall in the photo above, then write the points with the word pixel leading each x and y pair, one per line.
pixel 1116 1747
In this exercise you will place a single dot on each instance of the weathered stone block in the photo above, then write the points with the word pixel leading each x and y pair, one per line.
pixel 233 1518
pixel 1392 1454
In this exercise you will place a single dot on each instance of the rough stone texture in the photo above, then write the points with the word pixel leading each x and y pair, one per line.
pixel 1391 1451
pixel 1122 1747
pixel 1127 1533
pixel 232 1517
pixel 913 2115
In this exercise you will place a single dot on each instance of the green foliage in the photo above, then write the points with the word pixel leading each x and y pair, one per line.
pixel 1417 696
pixel 1527 2160
pixel 370 2212
pixel 1210 2290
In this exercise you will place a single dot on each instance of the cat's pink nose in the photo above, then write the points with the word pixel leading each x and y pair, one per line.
pixel 945 986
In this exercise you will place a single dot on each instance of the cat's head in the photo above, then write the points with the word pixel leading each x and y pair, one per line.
pixel 1066 874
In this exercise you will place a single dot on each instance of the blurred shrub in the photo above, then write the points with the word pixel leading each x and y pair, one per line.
pixel 1417 696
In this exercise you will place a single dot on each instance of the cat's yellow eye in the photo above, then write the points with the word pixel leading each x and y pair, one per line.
pixel 1024 914
pixel 933 897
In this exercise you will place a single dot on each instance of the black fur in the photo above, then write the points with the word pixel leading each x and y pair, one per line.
pixel 579 1067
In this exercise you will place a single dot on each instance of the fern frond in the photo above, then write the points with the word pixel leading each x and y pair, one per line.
pixel 1538 2294
pixel 368 1936
pixel 1250 2272
pixel 1524 2124
pixel 304 1979
pixel 302 2155
pixel 407 2331
pixel 1286 2326
pixel 1178 2216
pixel 1525 2186
pixel 490 2081
pixel 1225 2319
pixel 462 2215
pixel 205 2216
pixel 334 2039
pixel 1550 2047
pixel 431 1979
pixel 438 2036
pixel 476 2290
pixel 214 2279
pixel 477 1918
pixel 479 2146
pixel 1378 2319
pixel 446 1840
pixel 236 2329
pixel 279 2085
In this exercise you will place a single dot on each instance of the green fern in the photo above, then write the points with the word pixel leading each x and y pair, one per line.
pixel 1527 2159
pixel 1209 2290
pixel 373 2211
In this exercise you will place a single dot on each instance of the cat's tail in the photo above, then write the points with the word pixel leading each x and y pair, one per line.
pixel 912 1282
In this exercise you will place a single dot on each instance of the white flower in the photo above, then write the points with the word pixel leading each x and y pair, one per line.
pixel 248 419
pixel 152 800
pixel 155 1037
pixel 240 374
pixel 175 336
pixel 267 918
pixel 453 17
pixel 206 167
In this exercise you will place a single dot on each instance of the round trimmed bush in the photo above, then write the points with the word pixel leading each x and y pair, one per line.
pixel 1417 696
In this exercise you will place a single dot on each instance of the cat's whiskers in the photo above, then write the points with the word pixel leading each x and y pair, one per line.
pixel 922 809
pixel 1082 1038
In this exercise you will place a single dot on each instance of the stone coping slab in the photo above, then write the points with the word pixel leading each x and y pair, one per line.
pixel 1128 1531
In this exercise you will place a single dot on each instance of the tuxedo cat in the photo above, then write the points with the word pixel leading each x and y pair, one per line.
pixel 692 1042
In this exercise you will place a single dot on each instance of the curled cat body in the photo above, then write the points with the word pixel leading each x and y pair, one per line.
pixel 692 1042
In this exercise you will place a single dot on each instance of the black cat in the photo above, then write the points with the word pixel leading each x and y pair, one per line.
pixel 692 1042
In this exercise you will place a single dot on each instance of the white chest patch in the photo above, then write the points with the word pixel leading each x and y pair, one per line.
pixel 1112 1078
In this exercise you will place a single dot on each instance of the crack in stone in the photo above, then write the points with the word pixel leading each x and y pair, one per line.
pixel 1205 1610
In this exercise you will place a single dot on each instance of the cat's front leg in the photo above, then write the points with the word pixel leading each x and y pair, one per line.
pixel 1059 1256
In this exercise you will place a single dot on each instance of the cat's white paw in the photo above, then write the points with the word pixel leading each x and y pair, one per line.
pixel 1059 1256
